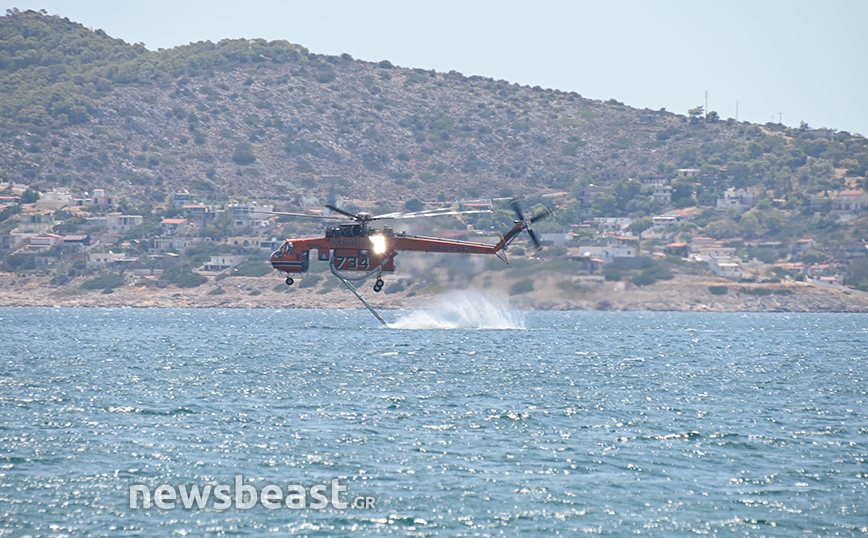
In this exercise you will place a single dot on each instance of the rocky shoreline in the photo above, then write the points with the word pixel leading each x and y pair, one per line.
pixel 550 291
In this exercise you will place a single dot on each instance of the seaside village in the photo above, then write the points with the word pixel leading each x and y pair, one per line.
pixel 66 233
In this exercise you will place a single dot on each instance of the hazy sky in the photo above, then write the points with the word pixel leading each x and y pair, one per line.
pixel 791 59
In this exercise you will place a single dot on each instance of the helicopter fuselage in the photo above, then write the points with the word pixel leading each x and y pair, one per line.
pixel 356 247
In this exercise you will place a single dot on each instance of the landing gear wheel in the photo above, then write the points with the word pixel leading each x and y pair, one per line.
pixel 289 281
pixel 378 285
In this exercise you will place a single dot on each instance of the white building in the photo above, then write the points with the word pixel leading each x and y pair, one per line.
pixel 662 193
pixel 54 200
pixel 609 253
pixel 251 215
pixel 670 218
pixel 121 224
pixel 102 199
pixel 853 201
pixel 223 262
pixel 104 258
pixel 180 243
pixel 174 226
pixel 738 199
pixel 613 224
pixel 559 239
pixel 726 267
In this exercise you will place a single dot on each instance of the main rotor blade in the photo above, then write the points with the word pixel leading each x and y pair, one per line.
pixel 534 239
pixel 545 213
pixel 306 215
pixel 427 213
pixel 342 212
pixel 516 208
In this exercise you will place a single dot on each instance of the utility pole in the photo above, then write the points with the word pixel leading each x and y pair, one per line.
pixel 780 118
pixel 706 104
pixel 736 111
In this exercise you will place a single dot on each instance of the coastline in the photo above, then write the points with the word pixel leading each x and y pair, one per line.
pixel 686 293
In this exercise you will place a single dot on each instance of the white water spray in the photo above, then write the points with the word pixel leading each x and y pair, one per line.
pixel 464 310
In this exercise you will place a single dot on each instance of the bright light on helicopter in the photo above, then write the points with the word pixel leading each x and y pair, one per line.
pixel 379 243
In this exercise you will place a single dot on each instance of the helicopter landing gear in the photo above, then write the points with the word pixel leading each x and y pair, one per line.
pixel 289 281
pixel 378 285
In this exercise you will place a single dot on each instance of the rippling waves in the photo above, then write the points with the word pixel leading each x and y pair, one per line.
pixel 582 422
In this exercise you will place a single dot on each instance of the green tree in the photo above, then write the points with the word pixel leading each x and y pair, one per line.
pixel 749 225
pixel 30 196
pixel 414 204
pixel 857 274
pixel 604 205
pixel 243 154
pixel 812 256
pixel 625 191
pixel 640 225
pixel 681 189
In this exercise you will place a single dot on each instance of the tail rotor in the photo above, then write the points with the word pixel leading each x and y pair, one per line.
pixel 539 215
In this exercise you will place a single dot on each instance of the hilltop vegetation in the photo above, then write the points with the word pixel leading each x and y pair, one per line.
pixel 272 121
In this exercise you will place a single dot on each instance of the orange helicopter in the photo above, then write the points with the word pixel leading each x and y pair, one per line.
pixel 355 251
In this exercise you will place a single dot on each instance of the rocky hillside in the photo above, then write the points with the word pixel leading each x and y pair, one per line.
pixel 272 120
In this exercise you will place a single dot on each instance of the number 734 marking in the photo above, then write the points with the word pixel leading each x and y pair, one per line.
pixel 349 263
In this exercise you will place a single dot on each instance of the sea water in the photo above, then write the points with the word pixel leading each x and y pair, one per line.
pixel 453 422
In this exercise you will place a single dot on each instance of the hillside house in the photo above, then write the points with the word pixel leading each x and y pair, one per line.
pixel 654 181
pixel 726 267
pixel 200 213
pixel 102 199
pixel 182 198
pixel 121 224
pixel 612 224
pixel 104 258
pixel 662 193
pixel 687 173
pixel 621 249
pixel 738 199
pixel 75 243
pixel 174 226
pixel 30 224
pixel 79 200
pixel 803 244
pixel 857 249
pixel 559 239
pixel 254 216
pixel 41 243
pixel 270 245
pixel 163 244
pixel 54 200
pixel 243 242
pixel 851 201
pixel 677 249
pixel 590 264
pixel 670 219
pixel 702 242
pixel 714 251
pixel 34 223
pixel 223 262
pixel 608 253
